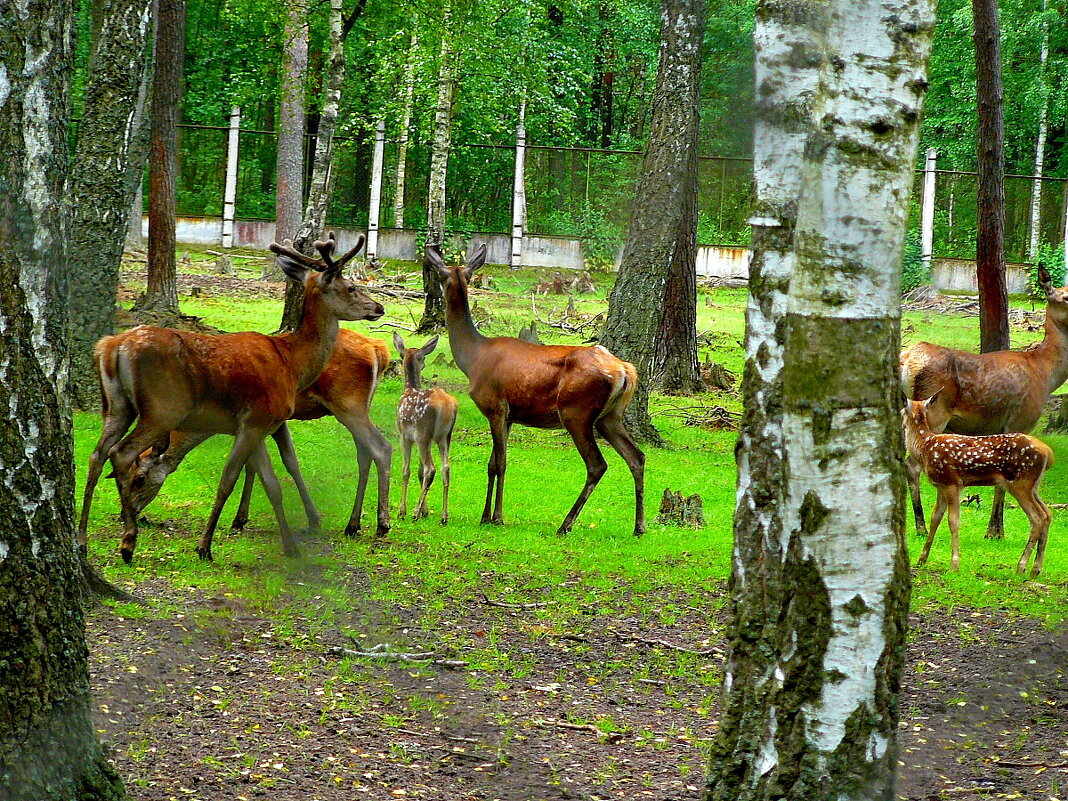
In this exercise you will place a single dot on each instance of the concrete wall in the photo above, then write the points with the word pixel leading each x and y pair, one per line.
pixel 959 275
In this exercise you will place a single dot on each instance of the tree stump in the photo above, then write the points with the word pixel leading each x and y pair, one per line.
pixel 1057 410
pixel 224 265
pixel 677 510
pixel 530 334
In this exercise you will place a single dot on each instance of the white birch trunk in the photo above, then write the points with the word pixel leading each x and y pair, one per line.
pixel 1040 145
pixel 519 189
pixel 442 142
pixel 402 144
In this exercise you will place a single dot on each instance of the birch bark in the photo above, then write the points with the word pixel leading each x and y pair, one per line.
pixel 402 143
pixel 821 658
pixel 1040 144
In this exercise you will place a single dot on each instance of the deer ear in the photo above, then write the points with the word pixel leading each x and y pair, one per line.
pixel 1044 280
pixel 477 259
pixel 398 343
pixel 432 257
pixel 927 403
pixel 428 348
pixel 293 269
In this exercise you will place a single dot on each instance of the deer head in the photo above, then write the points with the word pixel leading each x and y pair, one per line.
pixel 413 359
pixel 323 276
pixel 455 277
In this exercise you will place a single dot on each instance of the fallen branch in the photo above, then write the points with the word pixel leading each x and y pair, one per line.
pixel 507 605
pixel 672 646
pixel 609 737
pixel 393 325
pixel 383 653
pixel 1005 763
pixel 405 294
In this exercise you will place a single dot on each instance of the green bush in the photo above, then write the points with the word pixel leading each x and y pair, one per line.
pixel 1053 260
pixel 914 272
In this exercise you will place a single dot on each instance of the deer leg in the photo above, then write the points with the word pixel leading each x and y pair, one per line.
pixel 406 474
pixel 581 432
pixel 995 529
pixel 1039 516
pixel 114 426
pixel 953 500
pixel 612 429
pixel 244 443
pixel 443 448
pixel 498 463
pixel 912 471
pixel 123 458
pixel 426 477
pixel 371 446
pixel 261 463
pixel 283 438
pixel 936 518
pixel 241 518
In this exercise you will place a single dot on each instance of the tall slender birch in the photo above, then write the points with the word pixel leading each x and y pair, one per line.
pixel 434 308
pixel 833 634
pixel 289 161
pixel 402 139
pixel 1040 143
pixel 49 750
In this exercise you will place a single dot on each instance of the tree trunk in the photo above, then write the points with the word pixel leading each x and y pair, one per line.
pixel 661 239
pixel 820 586
pixel 311 227
pixel 135 240
pixel 289 170
pixel 406 123
pixel 102 181
pixel 990 232
pixel 48 745
pixel 1040 145
pixel 434 309
pixel 160 300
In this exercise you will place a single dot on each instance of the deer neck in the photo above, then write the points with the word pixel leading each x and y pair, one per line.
pixel 464 339
pixel 313 341
pixel 917 435
pixel 1053 352
pixel 412 378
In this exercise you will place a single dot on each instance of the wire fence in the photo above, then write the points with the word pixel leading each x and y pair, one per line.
pixel 571 191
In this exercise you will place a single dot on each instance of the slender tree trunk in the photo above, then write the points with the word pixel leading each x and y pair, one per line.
pixel 990 234
pixel 102 181
pixel 790 50
pixel 311 227
pixel 662 236
pixel 289 173
pixel 135 240
pixel 48 746
pixel 434 310
pixel 1040 145
pixel 161 295
pixel 406 123
pixel 820 596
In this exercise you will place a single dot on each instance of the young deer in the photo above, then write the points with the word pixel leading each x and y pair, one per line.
pixel 1010 462
pixel 241 384
pixel 344 389
pixel 988 393
pixel 424 416
pixel 576 388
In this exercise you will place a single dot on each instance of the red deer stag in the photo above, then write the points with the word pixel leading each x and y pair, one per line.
pixel 1012 462
pixel 344 389
pixel 424 417
pixel 241 384
pixel 988 393
pixel 543 386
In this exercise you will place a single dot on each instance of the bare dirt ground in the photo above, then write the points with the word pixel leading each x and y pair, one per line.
pixel 228 708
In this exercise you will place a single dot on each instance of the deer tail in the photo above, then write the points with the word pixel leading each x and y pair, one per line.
pixel 623 390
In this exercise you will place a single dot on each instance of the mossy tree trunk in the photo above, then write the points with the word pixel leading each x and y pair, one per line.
pixel 433 318
pixel 108 164
pixel 820 579
pixel 662 236
pixel 48 746
pixel 289 161
pixel 160 300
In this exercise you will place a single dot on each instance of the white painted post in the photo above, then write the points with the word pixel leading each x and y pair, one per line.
pixel 928 207
pixel 230 189
pixel 519 189
pixel 376 190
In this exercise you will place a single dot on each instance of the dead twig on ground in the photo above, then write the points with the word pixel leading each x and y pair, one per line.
pixel 673 646
pixel 508 605
pixel 716 417
pixel 383 653
pixel 609 737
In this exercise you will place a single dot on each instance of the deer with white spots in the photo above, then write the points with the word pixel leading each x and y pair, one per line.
pixel 1013 463
pixel 580 389
pixel 988 393
pixel 424 417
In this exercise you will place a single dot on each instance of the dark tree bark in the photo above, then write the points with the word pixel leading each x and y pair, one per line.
pixel 662 232
pixel 48 746
pixel 289 172
pixel 990 236
pixel 108 165
pixel 160 300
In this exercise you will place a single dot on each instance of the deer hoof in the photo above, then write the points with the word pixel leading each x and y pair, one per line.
pixel 205 554
pixel 291 551
pixel 352 530
pixel 313 525
pixel 238 525
pixel 444 520
pixel 381 531
pixel 127 555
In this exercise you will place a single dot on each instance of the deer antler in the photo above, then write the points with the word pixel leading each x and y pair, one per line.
pixel 287 249
pixel 326 250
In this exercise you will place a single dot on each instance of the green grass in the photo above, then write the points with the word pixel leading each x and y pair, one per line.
pixel 599 567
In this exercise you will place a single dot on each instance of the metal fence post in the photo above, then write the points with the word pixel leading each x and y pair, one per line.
pixel 928 207
pixel 376 190
pixel 230 190
pixel 519 189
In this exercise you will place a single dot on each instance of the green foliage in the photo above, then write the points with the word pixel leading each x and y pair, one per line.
pixel 914 272
pixel 1052 258
pixel 601 238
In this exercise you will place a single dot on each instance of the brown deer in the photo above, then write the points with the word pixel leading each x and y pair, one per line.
pixel 988 393
pixel 242 384
pixel 1011 462
pixel 576 388
pixel 344 389
pixel 424 417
